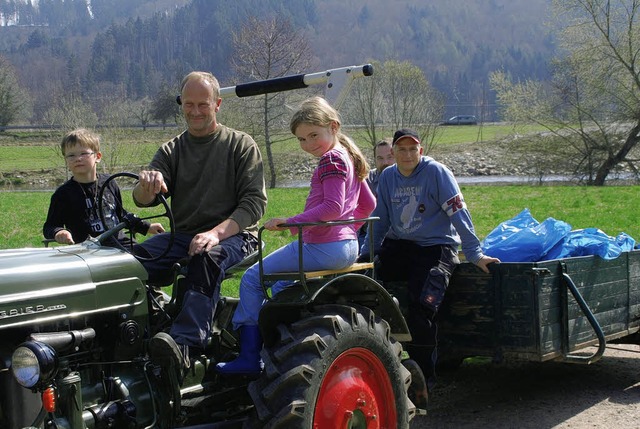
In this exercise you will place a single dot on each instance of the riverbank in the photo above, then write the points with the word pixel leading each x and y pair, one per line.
pixel 478 163
pixel 509 161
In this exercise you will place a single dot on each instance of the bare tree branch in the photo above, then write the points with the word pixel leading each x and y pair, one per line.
pixel 266 49
pixel 593 101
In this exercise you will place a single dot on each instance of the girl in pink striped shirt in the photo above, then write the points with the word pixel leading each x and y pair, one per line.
pixel 338 192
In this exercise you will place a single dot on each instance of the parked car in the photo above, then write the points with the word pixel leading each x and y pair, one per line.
pixel 461 120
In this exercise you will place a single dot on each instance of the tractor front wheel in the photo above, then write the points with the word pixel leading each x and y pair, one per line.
pixel 338 367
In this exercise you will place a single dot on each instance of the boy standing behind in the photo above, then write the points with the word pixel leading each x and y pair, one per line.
pixel 73 212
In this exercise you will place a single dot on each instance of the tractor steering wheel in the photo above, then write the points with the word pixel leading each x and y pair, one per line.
pixel 129 221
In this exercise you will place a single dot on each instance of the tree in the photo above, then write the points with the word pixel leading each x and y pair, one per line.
pixel 367 106
pixel 14 101
pixel 115 142
pixel 65 114
pixel 142 110
pixel 267 49
pixel 398 95
pixel 70 112
pixel 164 105
pixel 592 103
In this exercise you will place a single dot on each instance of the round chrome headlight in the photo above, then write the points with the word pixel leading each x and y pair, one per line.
pixel 34 363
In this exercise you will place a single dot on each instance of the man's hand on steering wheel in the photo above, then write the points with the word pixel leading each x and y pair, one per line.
pixel 150 184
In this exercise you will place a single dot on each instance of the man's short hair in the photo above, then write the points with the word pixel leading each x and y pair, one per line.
pixel 380 143
pixel 205 77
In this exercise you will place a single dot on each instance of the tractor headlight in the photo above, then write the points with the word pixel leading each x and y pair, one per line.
pixel 34 363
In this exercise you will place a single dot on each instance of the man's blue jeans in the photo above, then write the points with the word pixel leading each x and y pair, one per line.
pixel 205 273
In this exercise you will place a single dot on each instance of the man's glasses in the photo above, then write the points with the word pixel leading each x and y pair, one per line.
pixel 80 155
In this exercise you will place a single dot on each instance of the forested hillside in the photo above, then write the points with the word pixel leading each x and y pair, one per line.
pixel 78 16
pixel 129 49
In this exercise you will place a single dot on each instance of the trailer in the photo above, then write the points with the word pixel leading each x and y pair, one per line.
pixel 541 311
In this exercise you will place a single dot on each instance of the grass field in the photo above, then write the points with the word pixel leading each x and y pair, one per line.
pixel 33 151
pixel 40 150
pixel 611 208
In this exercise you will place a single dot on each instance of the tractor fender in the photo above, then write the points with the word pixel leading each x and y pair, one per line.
pixel 352 289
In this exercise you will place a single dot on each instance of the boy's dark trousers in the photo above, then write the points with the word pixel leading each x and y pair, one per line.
pixel 426 270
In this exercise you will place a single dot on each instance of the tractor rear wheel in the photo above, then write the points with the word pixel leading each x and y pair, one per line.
pixel 337 368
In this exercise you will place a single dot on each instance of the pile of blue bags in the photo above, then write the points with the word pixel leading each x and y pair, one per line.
pixel 524 239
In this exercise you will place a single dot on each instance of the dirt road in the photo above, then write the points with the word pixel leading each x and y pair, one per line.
pixel 605 395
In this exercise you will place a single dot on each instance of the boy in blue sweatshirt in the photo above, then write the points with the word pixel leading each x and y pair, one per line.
pixel 423 221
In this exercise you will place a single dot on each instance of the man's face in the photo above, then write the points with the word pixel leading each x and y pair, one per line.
pixel 199 107
pixel 384 157
pixel 407 154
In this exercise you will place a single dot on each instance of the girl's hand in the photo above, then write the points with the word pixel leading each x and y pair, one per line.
pixel 272 224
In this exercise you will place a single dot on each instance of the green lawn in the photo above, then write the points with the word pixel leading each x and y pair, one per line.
pixel 40 150
pixel 611 208
pixel 448 135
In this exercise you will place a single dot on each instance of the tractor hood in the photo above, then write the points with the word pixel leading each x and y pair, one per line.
pixel 44 285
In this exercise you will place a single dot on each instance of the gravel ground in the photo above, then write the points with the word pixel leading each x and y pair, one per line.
pixel 604 395
pixel 486 162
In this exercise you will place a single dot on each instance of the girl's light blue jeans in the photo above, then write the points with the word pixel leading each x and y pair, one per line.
pixel 324 256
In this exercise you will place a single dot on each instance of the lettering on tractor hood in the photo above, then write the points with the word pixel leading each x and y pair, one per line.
pixel 31 309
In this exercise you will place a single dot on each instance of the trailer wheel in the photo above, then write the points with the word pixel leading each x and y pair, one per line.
pixel 337 368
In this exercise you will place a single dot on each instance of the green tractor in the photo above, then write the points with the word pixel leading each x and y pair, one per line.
pixel 75 322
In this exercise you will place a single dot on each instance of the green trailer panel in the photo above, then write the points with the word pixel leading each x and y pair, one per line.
pixel 527 310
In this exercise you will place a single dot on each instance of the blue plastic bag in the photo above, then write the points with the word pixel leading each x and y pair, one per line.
pixel 524 239
pixel 591 241
pixel 507 228
pixel 625 241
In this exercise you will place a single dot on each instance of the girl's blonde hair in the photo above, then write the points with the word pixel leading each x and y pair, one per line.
pixel 317 111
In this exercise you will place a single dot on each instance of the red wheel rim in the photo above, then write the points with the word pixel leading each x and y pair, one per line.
pixel 356 393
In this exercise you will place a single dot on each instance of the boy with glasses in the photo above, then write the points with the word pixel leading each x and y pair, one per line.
pixel 73 212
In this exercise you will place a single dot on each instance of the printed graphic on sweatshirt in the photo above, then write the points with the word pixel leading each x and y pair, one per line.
pixel 109 211
pixel 454 204
pixel 405 200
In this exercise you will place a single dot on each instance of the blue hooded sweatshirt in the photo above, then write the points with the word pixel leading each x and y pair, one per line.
pixel 426 207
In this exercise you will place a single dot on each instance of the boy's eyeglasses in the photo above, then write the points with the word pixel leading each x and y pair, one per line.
pixel 82 155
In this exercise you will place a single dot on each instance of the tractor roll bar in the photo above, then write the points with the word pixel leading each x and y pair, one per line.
pixel 336 81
